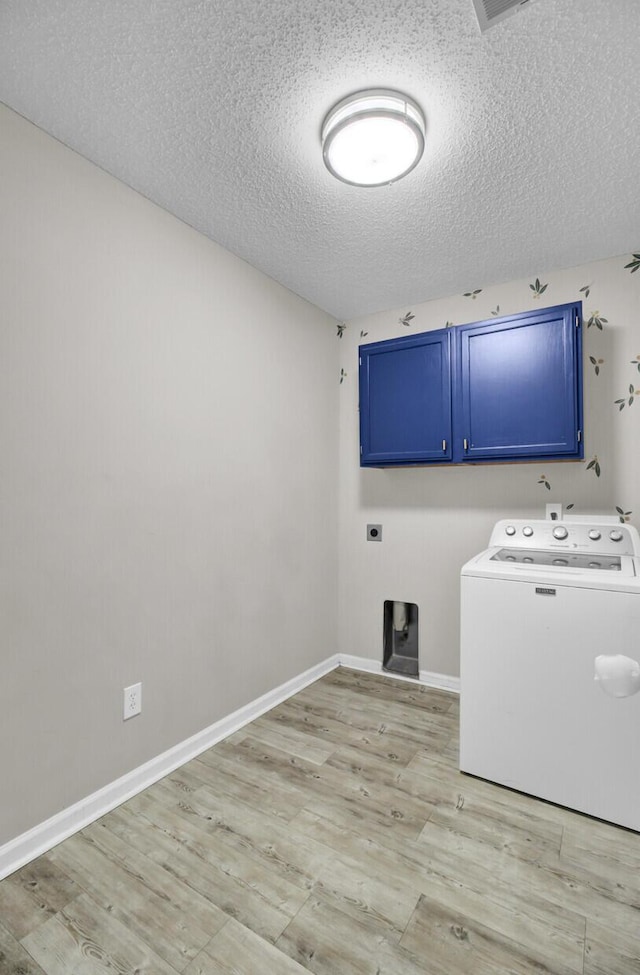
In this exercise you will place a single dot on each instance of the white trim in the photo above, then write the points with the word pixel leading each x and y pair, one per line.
pixel 443 681
pixel 26 847
pixel 43 837
pixel 427 677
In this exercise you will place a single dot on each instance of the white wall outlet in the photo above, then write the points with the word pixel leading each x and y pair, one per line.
pixel 132 700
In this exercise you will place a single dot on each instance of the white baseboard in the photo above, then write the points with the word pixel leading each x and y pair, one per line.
pixel 26 847
pixel 427 677
pixel 43 837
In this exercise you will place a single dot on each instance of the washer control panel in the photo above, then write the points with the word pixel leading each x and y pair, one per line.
pixel 580 536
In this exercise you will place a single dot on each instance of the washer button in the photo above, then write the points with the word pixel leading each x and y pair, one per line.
pixel 510 530
pixel 594 535
pixel 527 531
pixel 615 536
pixel 560 532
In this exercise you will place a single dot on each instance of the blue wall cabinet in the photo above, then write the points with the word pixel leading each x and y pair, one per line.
pixel 405 400
pixel 506 389
pixel 518 386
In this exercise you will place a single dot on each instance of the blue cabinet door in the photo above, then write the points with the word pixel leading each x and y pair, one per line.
pixel 405 400
pixel 518 386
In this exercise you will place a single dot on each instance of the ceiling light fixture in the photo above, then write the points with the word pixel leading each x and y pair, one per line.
pixel 373 137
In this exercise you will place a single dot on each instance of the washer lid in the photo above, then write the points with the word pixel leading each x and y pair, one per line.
pixel 560 560
pixel 487 566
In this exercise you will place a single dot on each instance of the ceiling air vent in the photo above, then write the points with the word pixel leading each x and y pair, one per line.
pixel 490 12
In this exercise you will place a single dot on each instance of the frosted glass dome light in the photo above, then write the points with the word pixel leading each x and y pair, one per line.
pixel 373 137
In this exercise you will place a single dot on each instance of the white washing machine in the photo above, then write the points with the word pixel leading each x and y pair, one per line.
pixel 538 606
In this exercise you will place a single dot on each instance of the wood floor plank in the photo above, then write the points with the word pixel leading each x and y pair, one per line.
pixel 367 896
pixel 189 778
pixel 611 952
pixel 339 700
pixel 381 776
pixel 558 885
pixel 238 951
pixel 294 741
pixel 450 752
pixel 33 894
pixel 204 838
pixel 530 933
pixel 400 812
pixel 462 943
pixel 379 687
pixel 522 835
pixel 327 942
pixel 519 915
pixel 293 855
pixel 371 732
pixel 264 838
pixel 83 940
pixel 370 849
pixel 609 852
pixel 522 832
pixel 247 783
pixel 448 773
pixel 14 958
pixel 419 712
pixel 230 879
pixel 155 907
pixel 600 842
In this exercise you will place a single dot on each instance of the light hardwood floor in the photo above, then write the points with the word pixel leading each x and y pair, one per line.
pixel 333 835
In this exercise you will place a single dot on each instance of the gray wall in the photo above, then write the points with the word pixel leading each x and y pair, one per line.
pixel 168 449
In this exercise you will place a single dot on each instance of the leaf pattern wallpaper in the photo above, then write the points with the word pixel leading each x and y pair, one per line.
pixel 537 288
pixel 607 481
pixel 436 518
pixel 597 320
pixel 596 363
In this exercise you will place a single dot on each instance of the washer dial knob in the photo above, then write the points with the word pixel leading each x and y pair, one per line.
pixel 594 535
pixel 510 530
pixel 560 532
pixel 527 531
pixel 615 536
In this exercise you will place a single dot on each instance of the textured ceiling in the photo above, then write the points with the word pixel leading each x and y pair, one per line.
pixel 212 108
